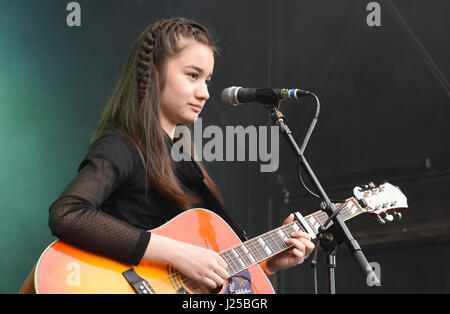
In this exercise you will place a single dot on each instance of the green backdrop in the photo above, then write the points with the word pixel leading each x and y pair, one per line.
pixel 44 127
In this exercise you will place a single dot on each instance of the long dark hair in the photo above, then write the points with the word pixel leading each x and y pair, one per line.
pixel 134 109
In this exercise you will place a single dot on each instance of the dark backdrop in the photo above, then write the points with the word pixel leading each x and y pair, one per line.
pixel 384 109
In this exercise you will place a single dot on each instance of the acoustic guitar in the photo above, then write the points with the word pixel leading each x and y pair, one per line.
pixel 63 268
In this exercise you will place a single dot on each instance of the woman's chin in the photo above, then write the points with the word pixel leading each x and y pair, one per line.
pixel 189 120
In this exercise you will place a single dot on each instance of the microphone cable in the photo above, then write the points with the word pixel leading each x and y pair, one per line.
pixel 305 143
pixel 313 262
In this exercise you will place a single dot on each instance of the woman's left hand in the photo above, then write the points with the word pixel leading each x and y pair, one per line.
pixel 300 250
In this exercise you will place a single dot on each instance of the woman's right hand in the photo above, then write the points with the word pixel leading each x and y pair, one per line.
pixel 200 264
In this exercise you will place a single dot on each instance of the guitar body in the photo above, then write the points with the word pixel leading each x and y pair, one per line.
pixel 63 268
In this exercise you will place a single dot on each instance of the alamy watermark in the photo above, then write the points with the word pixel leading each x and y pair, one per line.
pixel 230 145
pixel 74 274
pixel 74 17
pixel 374 17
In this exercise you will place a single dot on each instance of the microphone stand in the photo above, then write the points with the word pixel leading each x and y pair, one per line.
pixel 328 242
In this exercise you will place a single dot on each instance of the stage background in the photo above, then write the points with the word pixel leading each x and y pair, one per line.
pixel 385 107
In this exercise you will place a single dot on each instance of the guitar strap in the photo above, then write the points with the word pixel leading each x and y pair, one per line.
pixel 217 207
pixel 194 175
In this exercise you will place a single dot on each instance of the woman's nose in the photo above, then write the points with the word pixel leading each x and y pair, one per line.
pixel 202 92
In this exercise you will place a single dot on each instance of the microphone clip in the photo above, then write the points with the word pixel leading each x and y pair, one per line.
pixel 278 118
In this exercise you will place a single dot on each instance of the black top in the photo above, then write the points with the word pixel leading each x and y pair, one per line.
pixel 103 209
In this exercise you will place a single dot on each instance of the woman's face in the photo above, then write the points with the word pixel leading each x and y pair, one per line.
pixel 185 89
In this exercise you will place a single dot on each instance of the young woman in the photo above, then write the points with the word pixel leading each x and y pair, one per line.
pixel 129 184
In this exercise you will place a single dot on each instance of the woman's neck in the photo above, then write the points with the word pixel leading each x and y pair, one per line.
pixel 169 128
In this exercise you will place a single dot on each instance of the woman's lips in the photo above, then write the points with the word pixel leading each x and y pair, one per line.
pixel 196 108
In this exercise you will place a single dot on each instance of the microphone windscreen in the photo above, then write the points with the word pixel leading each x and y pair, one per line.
pixel 229 95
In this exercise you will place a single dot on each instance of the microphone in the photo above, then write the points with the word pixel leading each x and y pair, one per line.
pixel 238 95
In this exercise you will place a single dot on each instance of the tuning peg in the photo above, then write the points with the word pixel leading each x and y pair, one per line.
pixel 398 215
pixel 371 185
pixel 381 220
pixel 389 218
pixel 363 203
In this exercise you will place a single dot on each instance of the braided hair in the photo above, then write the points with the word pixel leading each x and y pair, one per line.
pixel 134 109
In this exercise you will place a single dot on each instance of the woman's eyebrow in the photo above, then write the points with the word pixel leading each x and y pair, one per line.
pixel 197 68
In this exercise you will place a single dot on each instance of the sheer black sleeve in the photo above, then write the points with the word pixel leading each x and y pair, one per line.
pixel 76 218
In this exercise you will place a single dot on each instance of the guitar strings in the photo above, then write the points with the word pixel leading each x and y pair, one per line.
pixel 187 281
pixel 166 281
pixel 254 250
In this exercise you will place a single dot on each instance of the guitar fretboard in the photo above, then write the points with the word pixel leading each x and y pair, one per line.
pixel 260 248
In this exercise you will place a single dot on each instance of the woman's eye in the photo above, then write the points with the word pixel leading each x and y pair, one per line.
pixel 193 75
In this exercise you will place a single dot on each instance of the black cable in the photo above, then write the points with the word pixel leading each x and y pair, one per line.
pixel 313 264
pixel 306 140
pixel 322 229
pixel 306 188
pixel 333 215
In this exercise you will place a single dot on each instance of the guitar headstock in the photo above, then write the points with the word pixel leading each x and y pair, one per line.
pixel 384 201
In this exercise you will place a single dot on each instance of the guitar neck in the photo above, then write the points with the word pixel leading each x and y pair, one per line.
pixel 260 248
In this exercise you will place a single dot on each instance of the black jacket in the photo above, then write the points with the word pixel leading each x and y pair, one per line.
pixel 104 209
